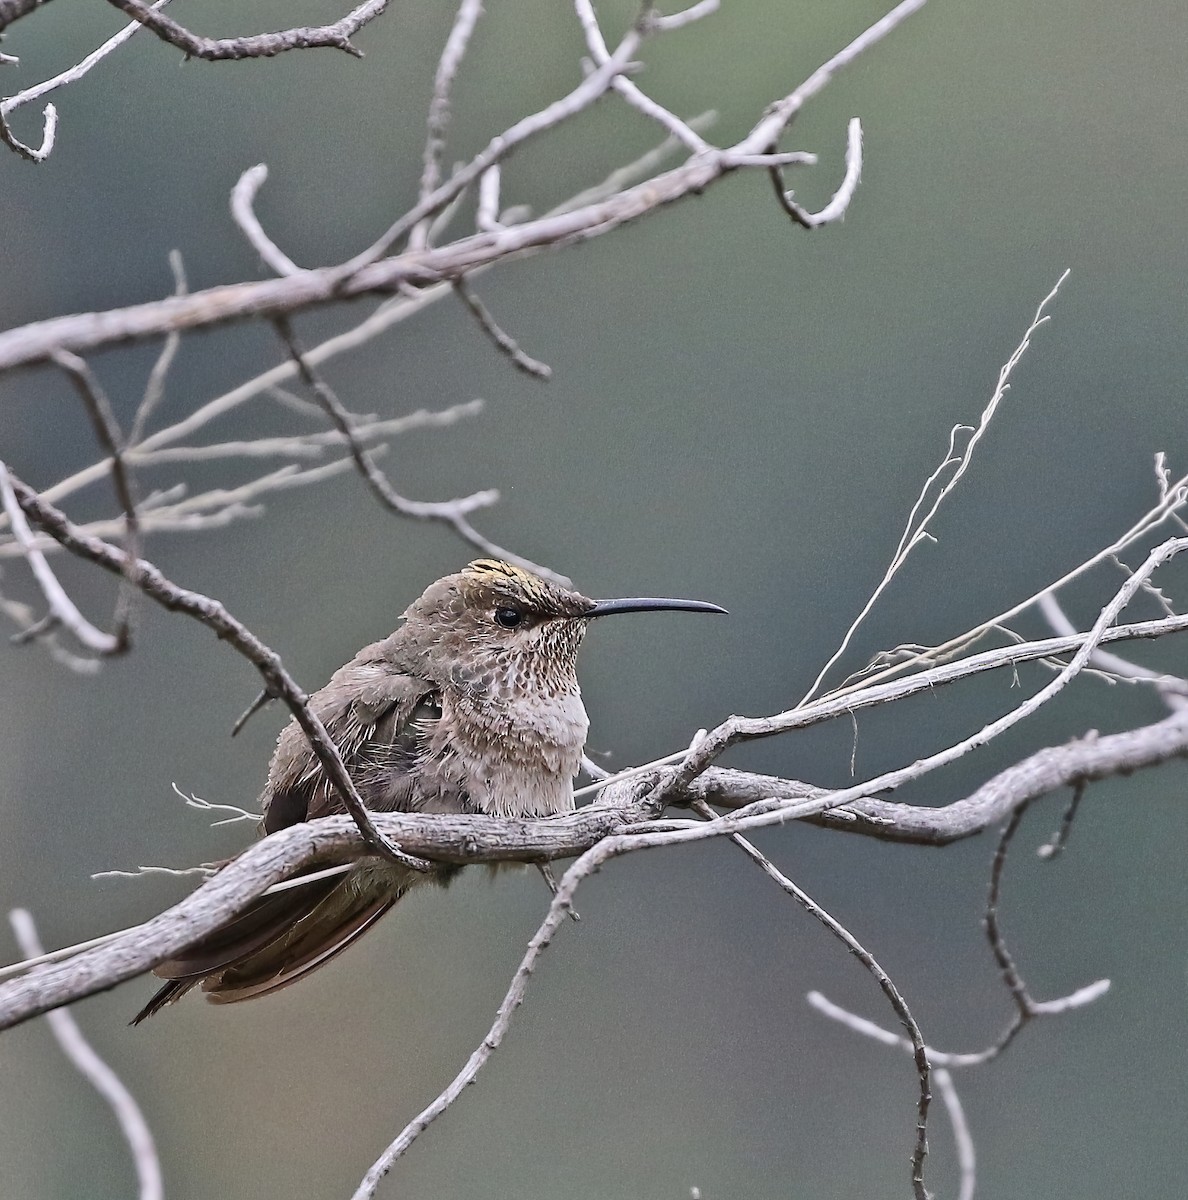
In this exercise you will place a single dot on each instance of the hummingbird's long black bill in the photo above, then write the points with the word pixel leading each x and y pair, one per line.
pixel 604 608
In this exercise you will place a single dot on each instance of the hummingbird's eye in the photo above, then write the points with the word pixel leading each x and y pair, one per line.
pixel 509 618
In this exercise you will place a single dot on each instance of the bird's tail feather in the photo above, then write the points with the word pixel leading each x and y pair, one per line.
pixel 277 940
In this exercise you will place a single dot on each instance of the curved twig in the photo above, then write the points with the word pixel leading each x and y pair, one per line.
pixel 102 1078
pixel 261 45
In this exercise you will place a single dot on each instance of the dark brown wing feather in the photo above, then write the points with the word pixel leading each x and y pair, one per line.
pixel 371 712
pixel 377 718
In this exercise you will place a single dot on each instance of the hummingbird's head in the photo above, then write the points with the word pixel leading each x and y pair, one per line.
pixel 494 626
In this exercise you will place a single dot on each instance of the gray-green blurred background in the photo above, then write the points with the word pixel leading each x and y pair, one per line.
pixel 741 411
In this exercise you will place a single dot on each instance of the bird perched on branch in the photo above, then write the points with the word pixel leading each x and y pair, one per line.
pixel 471 706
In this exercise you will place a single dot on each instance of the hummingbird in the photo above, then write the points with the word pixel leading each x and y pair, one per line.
pixel 471 706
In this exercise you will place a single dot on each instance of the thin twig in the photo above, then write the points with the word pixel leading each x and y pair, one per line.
pixel 111 440
pixel 310 445
pixel 703 8
pixel 486 215
pixel 581 97
pixel 1164 512
pixel 154 390
pixel 1052 848
pixel 886 985
pixel 837 207
pixel 777 117
pixel 452 512
pixel 600 53
pixel 1172 688
pixel 452 55
pixel 998 946
pixel 50 112
pixel 44 630
pixel 954 1060
pixel 209 806
pixel 546 873
pixel 262 701
pixel 60 605
pixel 142 872
pixel 503 341
pixel 209 510
pixel 102 1078
pixel 243 197
pixel 967 1160
pixel 916 530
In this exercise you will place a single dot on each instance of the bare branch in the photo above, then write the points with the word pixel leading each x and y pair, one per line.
pixel 143 871
pixel 686 17
pixel 49 132
pixel 962 1139
pixel 887 986
pixel 599 52
pixel 585 94
pixel 387 314
pixel 836 209
pixel 788 158
pixel 111 440
pixel 243 197
pixel 1027 1008
pixel 503 341
pixel 311 445
pixel 1059 840
pixel 1164 512
pixel 212 509
pixel 1172 688
pixel 96 1072
pixel 260 45
pixel 780 114
pixel 469 12
pixel 369 272
pixel 213 615
pixel 61 606
pixel 44 629
pixel 998 946
pixel 486 217
pixel 209 806
pixel 916 530
pixel 50 113
pixel 469 839
pixel 453 512
pixel 154 389
pixel 739 729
